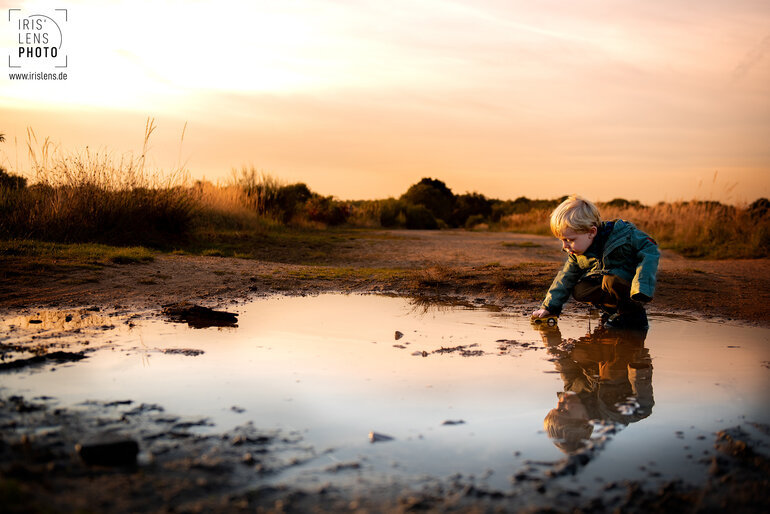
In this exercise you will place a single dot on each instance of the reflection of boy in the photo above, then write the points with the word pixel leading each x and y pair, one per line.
pixel 611 264
pixel 601 374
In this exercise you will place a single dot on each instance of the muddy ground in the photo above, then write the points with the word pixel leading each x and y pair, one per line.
pixel 508 269
pixel 180 470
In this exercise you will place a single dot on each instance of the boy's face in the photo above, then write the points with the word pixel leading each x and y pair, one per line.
pixel 570 406
pixel 577 242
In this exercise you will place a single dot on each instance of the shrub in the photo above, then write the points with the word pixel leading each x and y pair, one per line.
pixel 326 210
pixel 470 205
pixel 90 196
pixel 419 217
pixel 473 220
pixel 10 182
pixel 290 200
pixel 432 194
pixel 392 213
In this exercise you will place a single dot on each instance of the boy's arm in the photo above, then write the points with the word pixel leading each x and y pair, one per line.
pixel 562 286
pixel 643 284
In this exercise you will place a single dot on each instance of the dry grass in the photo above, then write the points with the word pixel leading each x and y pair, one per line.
pixel 702 229
pixel 694 229
pixel 91 196
pixel 532 222
pixel 95 196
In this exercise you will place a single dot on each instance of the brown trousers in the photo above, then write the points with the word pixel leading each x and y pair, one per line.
pixel 608 292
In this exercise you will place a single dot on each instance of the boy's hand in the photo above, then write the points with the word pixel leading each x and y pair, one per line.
pixel 540 313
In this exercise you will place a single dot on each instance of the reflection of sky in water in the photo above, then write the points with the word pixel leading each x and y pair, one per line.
pixel 327 367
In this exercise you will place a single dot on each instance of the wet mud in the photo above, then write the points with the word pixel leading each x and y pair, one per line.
pixel 128 456
pixel 179 470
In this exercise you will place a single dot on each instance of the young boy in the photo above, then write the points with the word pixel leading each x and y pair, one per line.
pixel 611 265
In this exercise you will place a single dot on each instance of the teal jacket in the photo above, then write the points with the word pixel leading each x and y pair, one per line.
pixel 627 252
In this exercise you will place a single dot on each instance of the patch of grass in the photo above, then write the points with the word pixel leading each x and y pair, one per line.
pixel 434 276
pixel 350 273
pixel 522 244
pixel 79 254
pixel 24 260
pixel 280 244
pixel 82 281
pixel 509 282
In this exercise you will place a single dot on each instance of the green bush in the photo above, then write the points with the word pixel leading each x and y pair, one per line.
pixel 391 213
pixel 434 195
pixel 326 210
pixel 470 205
pixel 10 181
pixel 420 218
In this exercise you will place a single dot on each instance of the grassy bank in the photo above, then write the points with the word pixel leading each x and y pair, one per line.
pixel 89 197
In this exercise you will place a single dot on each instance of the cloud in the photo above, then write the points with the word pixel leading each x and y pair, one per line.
pixel 752 58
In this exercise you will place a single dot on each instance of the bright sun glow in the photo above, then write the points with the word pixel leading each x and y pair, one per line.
pixel 360 99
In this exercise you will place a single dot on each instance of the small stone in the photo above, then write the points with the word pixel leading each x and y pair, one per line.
pixel 399 335
pixel 375 437
pixel 108 449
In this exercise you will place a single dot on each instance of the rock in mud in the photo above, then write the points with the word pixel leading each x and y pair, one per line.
pixel 189 352
pixel 108 449
pixel 376 437
pixel 199 317
pixel 343 466
pixel 41 359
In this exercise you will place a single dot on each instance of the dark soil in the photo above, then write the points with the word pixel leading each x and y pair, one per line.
pixel 180 470
pixel 507 269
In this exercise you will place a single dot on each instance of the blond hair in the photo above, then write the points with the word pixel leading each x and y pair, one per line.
pixel 575 213
pixel 567 434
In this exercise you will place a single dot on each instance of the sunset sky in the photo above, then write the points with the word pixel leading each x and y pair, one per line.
pixel 360 99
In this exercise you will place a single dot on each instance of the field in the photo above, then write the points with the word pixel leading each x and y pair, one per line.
pixel 97 197
pixel 116 242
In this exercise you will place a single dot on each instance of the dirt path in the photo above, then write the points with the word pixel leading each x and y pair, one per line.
pixel 509 269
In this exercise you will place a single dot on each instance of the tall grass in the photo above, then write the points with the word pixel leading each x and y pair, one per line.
pixel 261 189
pixel 694 229
pixel 95 196
pixel 98 197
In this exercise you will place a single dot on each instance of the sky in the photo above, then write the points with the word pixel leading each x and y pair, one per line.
pixel 648 100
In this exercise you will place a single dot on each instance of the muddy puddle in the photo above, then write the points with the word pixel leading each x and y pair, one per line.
pixel 381 389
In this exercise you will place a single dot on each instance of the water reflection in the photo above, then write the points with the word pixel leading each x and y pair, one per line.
pixel 607 381
pixel 330 368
